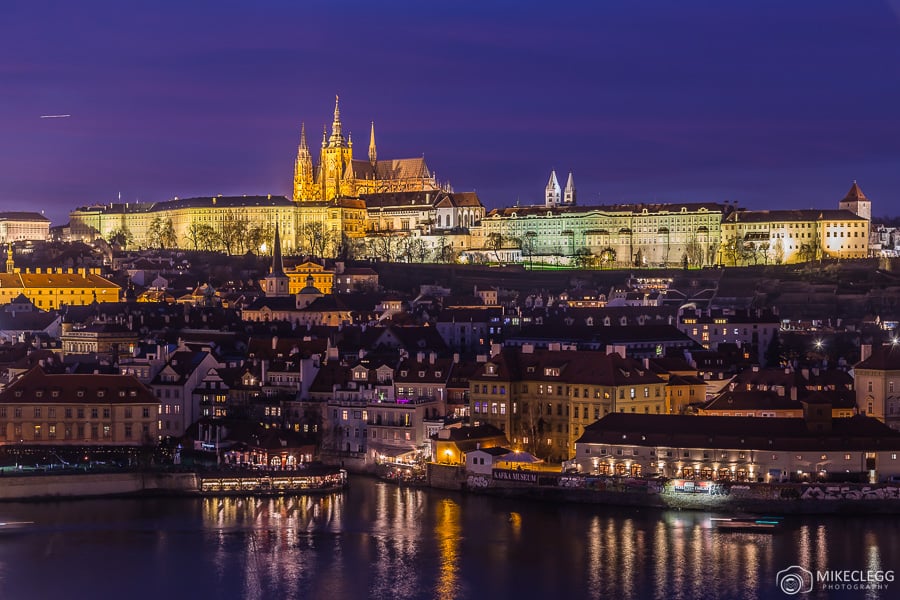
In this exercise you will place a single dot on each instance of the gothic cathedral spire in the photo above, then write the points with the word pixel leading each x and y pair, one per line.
pixel 552 192
pixel 569 194
pixel 337 136
pixel 373 155
pixel 303 169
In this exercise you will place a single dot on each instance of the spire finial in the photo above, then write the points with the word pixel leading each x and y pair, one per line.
pixel 337 138
pixel 277 263
pixel 373 155
pixel 303 136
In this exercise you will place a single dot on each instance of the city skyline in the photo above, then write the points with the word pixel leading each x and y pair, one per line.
pixel 770 106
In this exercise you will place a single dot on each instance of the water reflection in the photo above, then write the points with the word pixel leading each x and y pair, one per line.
pixel 382 541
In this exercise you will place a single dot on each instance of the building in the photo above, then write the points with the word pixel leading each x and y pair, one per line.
pixel 23 226
pixel 739 448
pixel 338 174
pixel 542 399
pixel 67 409
pixel 878 383
pixel 53 288
pixel 174 387
pixel 752 330
pixel 614 235
pixel 792 236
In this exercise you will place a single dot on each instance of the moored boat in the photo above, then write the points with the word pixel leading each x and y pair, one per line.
pixel 747 524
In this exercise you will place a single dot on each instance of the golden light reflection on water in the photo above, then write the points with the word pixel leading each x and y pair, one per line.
pixel 447 533
pixel 275 537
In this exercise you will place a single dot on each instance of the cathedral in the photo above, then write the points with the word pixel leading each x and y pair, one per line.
pixel 338 174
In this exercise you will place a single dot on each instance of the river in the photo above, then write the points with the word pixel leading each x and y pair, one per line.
pixel 377 540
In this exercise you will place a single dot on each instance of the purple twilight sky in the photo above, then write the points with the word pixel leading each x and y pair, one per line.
pixel 770 104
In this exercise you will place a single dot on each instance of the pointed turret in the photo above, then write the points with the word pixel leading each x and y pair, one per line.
pixel 277 284
pixel 855 194
pixel 10 264
pixel 277 267
pixel 337 136
pixel 303 169
pixel 857 203
pixel 373 155
pixel 324 135
pixel 553 192
pixel 569 194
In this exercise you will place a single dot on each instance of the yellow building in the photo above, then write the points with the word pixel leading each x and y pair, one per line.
pixel 52 288
pixel 338 175
pixel 792 236
pixel 322 278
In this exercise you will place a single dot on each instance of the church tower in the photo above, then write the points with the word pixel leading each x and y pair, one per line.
pixel 304 180
pixel 857 203
pixel 10 264
pixel 569 194
pixel 276 282
pixel 336 155
pixel 553 192
pixel 373 155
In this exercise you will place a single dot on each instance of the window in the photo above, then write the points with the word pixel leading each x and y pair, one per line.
pixel 106 413
pixel 145 412
pixel 95 413
pixel 37 412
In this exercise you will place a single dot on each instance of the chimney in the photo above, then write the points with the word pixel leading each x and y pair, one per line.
pixel 264 372
pixel 865 351
pixel 420 357
pixel 274 342
pixel 431 357
pixel 456 358
pixel 646 363
pixel 793 392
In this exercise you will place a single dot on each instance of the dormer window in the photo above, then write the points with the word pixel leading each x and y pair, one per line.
pixel 403 373
pixel 437 373
pixel 421 374
pixel 492 369
pixel 100 393
pixel 551 372
pixel 39 394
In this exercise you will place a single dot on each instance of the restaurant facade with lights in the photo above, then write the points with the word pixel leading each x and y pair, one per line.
pixel 743 449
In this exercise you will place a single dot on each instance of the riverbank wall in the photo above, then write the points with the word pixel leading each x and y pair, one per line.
pixel 86 485
pixel 707 496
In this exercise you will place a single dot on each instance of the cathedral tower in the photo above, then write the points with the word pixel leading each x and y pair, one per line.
pixel 569 194
pixel 336 155
pixel 304 178
pixel 373 155
pixel 553 192
pixel 857 203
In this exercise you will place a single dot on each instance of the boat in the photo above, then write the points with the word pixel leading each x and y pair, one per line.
pixel 748 524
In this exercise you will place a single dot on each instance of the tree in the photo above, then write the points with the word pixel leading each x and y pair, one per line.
pixel 193 234
pixel 779 251
pixel 607 257
pixel 583 258
pixel 121 236
pixel 259 235
pixel 314 239
pixel 527 244
pixel 494 242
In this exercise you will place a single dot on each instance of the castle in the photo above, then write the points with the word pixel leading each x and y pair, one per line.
pixel 338 174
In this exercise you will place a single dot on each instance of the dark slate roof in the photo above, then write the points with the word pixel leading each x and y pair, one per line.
pixel 22 216
pixel 883 358
pixel 729 433
pixel 115 389
pixel 787 216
